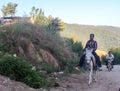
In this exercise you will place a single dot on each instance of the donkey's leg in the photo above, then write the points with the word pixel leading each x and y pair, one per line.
pixel 94 76
pixel 91 73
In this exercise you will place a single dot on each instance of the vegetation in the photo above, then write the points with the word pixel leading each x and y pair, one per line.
pixel 9 9
pixel 52 24
pixel 17 68
pixel 32 40
pixel 77 47
pixel 56 25
pixel 107 36
pixel 22 34
pixel 37 16
pixel 18 35
pixel 116 53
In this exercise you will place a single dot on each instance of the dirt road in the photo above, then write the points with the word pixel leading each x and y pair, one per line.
pixel 106 81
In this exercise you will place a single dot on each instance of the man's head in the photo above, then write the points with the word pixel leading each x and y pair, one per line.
pixel 109 53
pixel 91 36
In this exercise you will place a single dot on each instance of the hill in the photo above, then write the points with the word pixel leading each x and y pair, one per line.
pixel 43 49
pixel 107 36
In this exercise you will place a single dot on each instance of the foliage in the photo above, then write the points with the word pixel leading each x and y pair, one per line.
pixel 77 47
pixel 56 25
pixel 20 34
pixel 10 35
pixel 41 38
pixel 49 19
pixel 53 24
pixel 19 69
pixel 45 67
pixel 34 12
pixel 107 37
pixel 9 9
pixel 51 82
pixel 5 46
pixel 37 16
pixel 103 58
pixel 69 41
pixel 40 18
pixel 116 53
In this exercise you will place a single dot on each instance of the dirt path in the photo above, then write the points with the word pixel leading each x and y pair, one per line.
pixel 106 81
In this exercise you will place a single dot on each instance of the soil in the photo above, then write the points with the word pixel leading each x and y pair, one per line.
pixel 106 81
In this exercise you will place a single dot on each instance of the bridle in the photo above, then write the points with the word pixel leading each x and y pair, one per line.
pixel 88 58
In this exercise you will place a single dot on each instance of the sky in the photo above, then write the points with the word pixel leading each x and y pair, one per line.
pixel 85 12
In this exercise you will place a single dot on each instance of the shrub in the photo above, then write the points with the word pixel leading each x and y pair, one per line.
pixel 19 69
pixel 69 41
pixel 44 66
pixel 20 34
pixel 116 53
pixel 103 59
pixel 77 47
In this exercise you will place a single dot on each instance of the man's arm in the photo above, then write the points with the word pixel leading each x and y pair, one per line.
pixel 95 48
pixel 112 57
pixel 107 57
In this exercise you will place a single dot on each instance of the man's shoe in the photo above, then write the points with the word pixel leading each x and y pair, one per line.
pixel 100 69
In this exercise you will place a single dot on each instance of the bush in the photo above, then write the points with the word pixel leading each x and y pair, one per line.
pixel 116 53
pixel 20 70
pixel 77 47
pixel 103 59
pixel 69 41
pixel 44 66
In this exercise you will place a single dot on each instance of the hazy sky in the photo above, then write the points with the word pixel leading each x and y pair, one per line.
pixel 91 12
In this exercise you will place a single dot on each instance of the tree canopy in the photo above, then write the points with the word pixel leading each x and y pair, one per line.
pixel 53 24
pixel 9 9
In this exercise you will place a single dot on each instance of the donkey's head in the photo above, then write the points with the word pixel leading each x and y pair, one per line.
pixel 88 55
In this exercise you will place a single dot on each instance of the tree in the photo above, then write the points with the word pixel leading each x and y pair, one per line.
pixel 9 9
pixel 53 24
pixel 37 16
pixel 4 11
pixel 33 14
pixel 56 25
pixel 40 18
pixel 49 19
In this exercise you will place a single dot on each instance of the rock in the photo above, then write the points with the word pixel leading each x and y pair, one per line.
pixel 9 85
pixel 41 89
pixel 33 68
pixel 43 73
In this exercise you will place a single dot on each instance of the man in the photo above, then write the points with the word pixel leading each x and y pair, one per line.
pixel 93 45
pixel 110 57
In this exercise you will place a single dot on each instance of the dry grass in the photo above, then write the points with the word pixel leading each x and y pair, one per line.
pixel 23 34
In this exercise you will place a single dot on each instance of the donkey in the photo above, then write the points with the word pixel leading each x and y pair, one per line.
pixel 90 65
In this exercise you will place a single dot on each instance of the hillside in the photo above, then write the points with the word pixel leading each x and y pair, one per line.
pixel 42 48
pixel 107 36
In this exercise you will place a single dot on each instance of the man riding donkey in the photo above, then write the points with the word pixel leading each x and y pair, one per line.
pixel 93 45
pixel 110 57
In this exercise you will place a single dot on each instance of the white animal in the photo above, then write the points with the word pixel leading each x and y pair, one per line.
pixel 90 65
